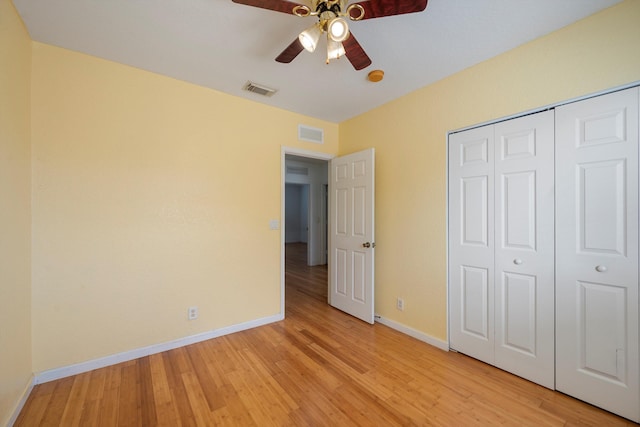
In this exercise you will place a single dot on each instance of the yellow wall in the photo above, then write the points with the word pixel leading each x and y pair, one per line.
pixel 15 211
pixel 409 135
pixel 150 195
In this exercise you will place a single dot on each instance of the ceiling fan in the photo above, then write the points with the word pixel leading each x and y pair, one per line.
pixel 331 20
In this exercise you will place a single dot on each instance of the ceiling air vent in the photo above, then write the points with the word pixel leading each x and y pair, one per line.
pixel 259 89
pixel 309 134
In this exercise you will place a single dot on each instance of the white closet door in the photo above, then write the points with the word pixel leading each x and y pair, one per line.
pixel 501 282
pixel 524 247
pixel 597 252
pixel 471 249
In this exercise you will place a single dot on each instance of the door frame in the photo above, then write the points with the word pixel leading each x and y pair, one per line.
pixel 283 174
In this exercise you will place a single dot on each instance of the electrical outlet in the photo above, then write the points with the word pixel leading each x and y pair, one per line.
pixel 193 313
pixel 400 304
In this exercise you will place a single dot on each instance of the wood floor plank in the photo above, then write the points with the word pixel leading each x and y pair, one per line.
pixel 197 399
pixel 368 408
pixel 147 398
pixel 109 408
pixel 97 385
pixel 129 413
pixel 236 412
pixel 209 388
pixel 34 409
pixel 318 367
pixel 177 388
pixel 256 408
pixel 58 402
pixel 315 401
pixel 75 404
pixel 167 413
pixel 273 386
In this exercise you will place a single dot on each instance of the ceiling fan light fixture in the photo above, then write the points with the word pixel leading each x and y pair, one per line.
pixel 334 49
pixel 309 38
pixel 338 29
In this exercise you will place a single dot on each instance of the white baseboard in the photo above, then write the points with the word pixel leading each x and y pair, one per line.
pixel 25 395
pixel 436 342
pixel 79 368
pixel 90 365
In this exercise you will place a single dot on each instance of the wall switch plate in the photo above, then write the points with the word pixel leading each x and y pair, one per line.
pixel 193 313
pixel 274 224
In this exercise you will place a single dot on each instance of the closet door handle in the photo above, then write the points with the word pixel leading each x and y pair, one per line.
pixel 517 261
pixel 601 268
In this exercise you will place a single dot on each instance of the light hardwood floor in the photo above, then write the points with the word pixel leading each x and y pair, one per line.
pixel 318 367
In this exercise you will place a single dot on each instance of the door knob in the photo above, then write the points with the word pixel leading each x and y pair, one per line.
pixel 366 245
pixel 601 268
pixel 517 261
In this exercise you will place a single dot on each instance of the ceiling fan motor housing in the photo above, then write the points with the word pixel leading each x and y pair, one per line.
pixel 326 6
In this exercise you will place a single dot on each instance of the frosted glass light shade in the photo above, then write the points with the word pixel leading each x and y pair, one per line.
pixel 338 29
pixel 309 37
pixel 334 49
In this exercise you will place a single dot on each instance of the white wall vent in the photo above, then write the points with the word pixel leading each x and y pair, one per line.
pixel 309 134
pixel 297 170
pixel 259 89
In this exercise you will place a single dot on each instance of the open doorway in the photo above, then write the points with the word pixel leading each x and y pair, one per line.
pixel 305 204
pixel 296 215
pixel 305 239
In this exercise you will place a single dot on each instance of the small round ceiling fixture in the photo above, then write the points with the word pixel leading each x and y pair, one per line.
pixel 375 76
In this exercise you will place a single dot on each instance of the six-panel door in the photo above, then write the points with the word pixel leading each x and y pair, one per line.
pixel 597 252
pixel 471 243
pixel 524 248
pixel 351 234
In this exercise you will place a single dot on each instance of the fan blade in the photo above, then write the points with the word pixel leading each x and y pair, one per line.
pixel 290 52
pixel 277 5
pixel 380 8
pixel 355 54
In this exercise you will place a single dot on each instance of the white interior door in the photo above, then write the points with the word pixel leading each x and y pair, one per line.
pixel 351 234
pixel 501 282
pixel 471 248
pixel 524 247
pixel 597 252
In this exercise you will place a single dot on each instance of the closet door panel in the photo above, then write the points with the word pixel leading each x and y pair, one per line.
pixel 597 252
pixel 474 210
pixel 474 302
pixel 471 244
pixel 601 207
pixel 524 247
pixel 518 306
pixel 518 220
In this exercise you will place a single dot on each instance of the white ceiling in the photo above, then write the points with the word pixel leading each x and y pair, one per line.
pixel 220 44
